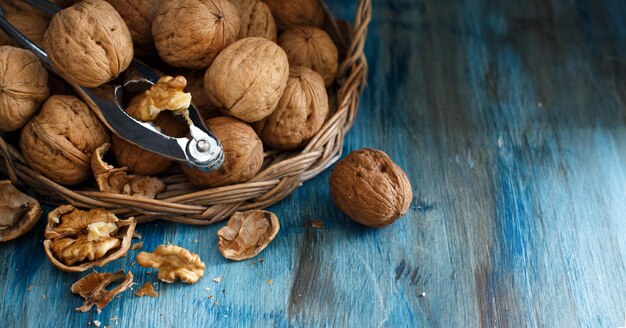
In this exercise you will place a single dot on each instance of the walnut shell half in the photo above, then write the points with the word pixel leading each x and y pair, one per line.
pixel 18 212
pixel 246 234
pixel 92 288
pixel 370 188
pixel 174 263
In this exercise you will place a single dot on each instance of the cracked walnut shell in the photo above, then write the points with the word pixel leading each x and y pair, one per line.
pixel 311 47
pixel 59 141
pixel 89 43
pixel 256 19
pixel 18 212
pixel 173 262
pixel 370 188
pixel 247 79
pixel 77 240
pixel 138 15
pixel 300 113
pixel 24 86
pixel 289 13
pixel 92 288
pixel 243 154
pixel 190 33
pixel 246 234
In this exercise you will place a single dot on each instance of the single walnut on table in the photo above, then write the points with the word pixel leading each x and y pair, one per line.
pixel 138 15
pixel 173 262
pixel 92 288
pixel 77 240
pixel 256 19
pixel 18 212
pixel 246 234
pixel 289 13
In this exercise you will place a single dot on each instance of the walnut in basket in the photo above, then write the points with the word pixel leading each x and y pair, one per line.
pixel 190 33
pixel 301 111
pixel 138 15
pixel 31 25
pixel 59 141
pixel 199 97
pixel 89 43
pixel 256 19
pixel 24 87
pixel 311 47
pixel 247 79
pixel 243 154
pixel 289 13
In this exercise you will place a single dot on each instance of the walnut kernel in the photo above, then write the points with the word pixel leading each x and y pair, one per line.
pixel 173 262
pixel 166 94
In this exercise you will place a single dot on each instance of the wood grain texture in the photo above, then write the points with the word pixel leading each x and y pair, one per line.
pixel 510 120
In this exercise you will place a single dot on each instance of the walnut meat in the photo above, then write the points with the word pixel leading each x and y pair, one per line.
pixel 24 87
pixel 18 212
pixel 247 79
pixel 89 43
pixel 311 47
pixel 147 289
pixel 243 154
pixel 370 188
pixel 32 26
pixel 246 234
pixel 166 94
pixel 173 262
pixel 138 15
pixel 77 240
pixel 300 113
pixel 190 33
pixel 92 288
pixel 289 13
pixel 256 19
pixel 59 141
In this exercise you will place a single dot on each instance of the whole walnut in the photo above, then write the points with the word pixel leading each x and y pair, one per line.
pixel 256 19
pixel 247 79
pixel 59 141
pixel 289 13
pixel 31 26
pixel 243 154
pixel 138 15
pixel 300 113
pixel 89 43
pixel 24 87
pixel 190 33
pixel 311 47
pixel 140 161
pixel 370 188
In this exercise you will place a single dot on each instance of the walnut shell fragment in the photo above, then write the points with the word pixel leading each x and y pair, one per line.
pixel 118 181
pixel 77 240
pixel 92 288
pixel 173 262
pixel 256 19
pixel 246 234
pixel 147 289
pixel 18 212
pixel 166 94
pixel 370 188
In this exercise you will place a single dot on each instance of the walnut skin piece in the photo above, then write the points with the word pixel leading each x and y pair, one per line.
pixel 246 234
pixel 92 288
pixel 89 43
pixel 289 13
pixel 247 79
pixel 77 240
pixel 59 141
pixel 370 188
pixel 173 262
pixel 311 47
pixel 30 25
pixel 138 15
pixel 166 94
pixel 24 87
pixel 190 33
pixel 146 290
pixel 300 113
pixel 143 162
pixel 243 154
pixel 256 19
pixel 18 212
pixel 117 181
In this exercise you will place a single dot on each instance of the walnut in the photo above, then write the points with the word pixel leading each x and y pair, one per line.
pixel 23 87
pixel 289 13
pixel 246 234
pixel 190 33
pixel 256 19
pixel 77 240
pixel 243 154
pixel 138 15
pixel 247 79
pixel 18 212
pixel 30 25
pixel 370 188
pixel 146 290
pixel 117 181
pixel 140 161
pixel 301 111
pixel 92 288
pixel 59 141
pixel 166 94
pixel 89 43
pixel 311 47
pixel 199 97
pixel 173 262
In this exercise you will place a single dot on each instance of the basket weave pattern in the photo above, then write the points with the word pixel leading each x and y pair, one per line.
pixel 281 174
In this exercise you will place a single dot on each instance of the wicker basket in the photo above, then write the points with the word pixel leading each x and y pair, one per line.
pixel 281 174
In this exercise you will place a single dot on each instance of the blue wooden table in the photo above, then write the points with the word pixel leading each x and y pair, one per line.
pixel 510 120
